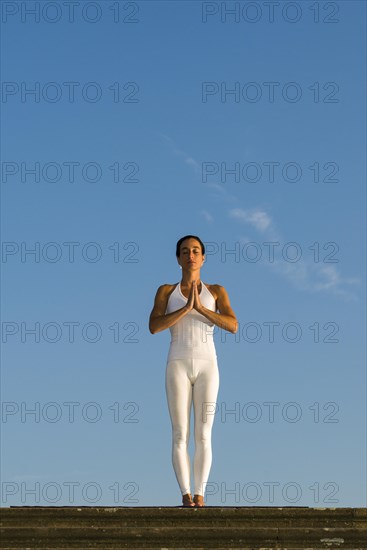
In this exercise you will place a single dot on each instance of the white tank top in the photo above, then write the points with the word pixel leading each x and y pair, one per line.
pixel 192 335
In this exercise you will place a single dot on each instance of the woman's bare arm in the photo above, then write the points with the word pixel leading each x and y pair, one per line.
pixel 158 320
pixel 226 319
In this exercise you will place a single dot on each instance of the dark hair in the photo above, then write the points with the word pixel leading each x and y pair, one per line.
pixel 189 237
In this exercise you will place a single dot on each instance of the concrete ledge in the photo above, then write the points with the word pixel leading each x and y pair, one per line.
pixel 166 528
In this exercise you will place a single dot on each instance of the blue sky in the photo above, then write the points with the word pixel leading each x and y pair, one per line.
pixel 123 179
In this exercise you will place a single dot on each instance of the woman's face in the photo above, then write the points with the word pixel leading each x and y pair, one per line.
pixel 191 256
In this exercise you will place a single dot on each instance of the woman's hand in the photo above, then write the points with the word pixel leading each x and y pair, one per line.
pixel 191 299
pixel 197 304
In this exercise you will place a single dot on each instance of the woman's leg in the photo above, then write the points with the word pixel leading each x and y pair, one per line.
pixel 179 398
pixel 205 394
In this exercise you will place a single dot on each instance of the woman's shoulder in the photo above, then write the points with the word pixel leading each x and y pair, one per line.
pixel 215 289
pixel 166 288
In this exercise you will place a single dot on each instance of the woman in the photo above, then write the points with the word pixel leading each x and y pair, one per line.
pixel 188 309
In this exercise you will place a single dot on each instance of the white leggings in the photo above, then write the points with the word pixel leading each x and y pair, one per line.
pixel 187 381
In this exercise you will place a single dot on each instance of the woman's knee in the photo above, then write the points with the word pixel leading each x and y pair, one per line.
pixel 203 434
pixel 180 436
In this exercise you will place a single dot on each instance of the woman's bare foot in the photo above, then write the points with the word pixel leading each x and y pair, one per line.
pixel 199 501
pixel 187 500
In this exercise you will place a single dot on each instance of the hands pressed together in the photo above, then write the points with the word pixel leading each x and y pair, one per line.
pixel 193 301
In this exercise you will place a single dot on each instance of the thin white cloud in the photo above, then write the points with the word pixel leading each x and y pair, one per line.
pixel 188 159
pixel 245 239
pixel 207 216
pixel 217 190
pixel 257 218
pixel 303 274
pixel 192 162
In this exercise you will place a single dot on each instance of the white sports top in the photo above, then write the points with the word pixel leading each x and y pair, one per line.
pixel 192 335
